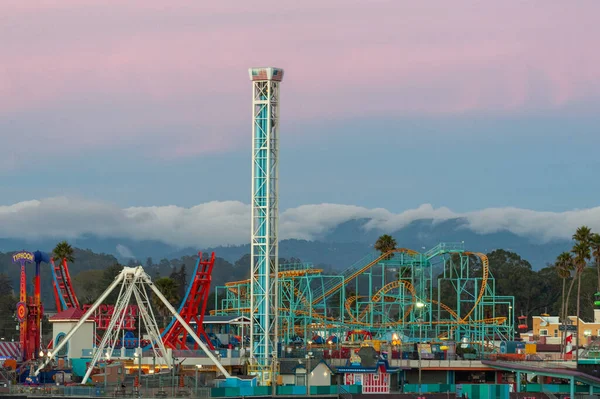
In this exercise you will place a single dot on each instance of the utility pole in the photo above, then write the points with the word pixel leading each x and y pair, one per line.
pixel 173 378
pixel 419 350
pixel 420 306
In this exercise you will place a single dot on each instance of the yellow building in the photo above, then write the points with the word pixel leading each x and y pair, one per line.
pixel 547 328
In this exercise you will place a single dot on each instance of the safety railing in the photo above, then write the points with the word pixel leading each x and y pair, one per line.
pixel 322 290
pixel 444 247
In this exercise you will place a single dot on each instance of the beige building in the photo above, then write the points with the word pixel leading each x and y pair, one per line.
pixel 83 339
pixel 547 328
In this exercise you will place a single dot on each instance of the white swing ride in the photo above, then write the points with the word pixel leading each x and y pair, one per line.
pixel 132 282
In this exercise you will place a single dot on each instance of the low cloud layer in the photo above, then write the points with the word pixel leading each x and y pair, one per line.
pixel 228 222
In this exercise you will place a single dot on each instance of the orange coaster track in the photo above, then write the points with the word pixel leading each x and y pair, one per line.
pixel 357 316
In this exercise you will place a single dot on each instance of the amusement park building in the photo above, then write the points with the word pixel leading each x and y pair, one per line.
pixel 548 329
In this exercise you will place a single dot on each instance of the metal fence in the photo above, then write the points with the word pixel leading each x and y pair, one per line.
pixel 153 387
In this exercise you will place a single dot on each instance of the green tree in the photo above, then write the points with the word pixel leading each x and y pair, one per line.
pixel 8 307
pixel 6 287
pixel 64 251
pixel 385 243
pixel 244 262
pixel 563 265
pixel 595 244
pixel 168 287
pixel 87 285
pixel 581 251
pixel 108 277
pixel 180 278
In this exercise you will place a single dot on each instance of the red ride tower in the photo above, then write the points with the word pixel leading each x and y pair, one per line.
pixel 30 310
pixel 23 258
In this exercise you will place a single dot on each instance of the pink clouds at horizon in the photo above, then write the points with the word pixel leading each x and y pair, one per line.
pixel 98 71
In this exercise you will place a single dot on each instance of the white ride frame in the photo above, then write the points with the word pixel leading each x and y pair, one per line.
pixel 133 282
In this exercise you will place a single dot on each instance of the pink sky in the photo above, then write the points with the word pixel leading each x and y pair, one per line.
pixel 98 71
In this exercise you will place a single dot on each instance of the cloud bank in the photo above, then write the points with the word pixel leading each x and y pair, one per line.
pixel 228 222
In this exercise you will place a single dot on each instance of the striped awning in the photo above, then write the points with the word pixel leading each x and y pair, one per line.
pixel 10 350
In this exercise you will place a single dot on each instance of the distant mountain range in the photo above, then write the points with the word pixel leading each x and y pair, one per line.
pixel 336 249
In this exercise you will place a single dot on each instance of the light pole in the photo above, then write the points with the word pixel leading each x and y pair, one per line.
pixel 420 306
pixel 198 367
pixel 106 372
pixel 510 322
pixel 308 357
pixel 138 357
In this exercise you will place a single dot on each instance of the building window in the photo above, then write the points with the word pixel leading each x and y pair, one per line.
pixel 555 333
pixel 543 332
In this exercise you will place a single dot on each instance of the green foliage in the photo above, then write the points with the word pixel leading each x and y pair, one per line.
pixel 244 262
pixel 6 287
pixel 63 250
pixel 168 287
pixel 8 306
pixel 385 243
pixel 533 291
pixel 595 246
pixel 180 279
pixel 89 285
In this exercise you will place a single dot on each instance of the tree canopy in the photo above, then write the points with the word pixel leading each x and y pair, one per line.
pixel 385 243
pixel 63 250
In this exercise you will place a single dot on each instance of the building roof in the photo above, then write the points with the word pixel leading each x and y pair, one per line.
pixel 382 364
pixel 289 366
pixel 552 320
pixel 71 314
pixel 546 320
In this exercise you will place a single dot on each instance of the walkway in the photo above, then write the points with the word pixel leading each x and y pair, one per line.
pixel 547 369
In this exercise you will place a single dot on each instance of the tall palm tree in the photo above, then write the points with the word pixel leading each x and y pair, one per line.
pixel 385 243
pixel 581 251
pixel 63 251
pixel 564 265
pixel 595 244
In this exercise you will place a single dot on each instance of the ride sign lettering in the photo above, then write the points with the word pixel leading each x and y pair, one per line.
pixel 23 257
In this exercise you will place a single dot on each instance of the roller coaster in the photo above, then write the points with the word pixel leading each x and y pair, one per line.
pixel 445 293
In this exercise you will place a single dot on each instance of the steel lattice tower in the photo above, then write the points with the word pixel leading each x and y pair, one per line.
pixel 265 209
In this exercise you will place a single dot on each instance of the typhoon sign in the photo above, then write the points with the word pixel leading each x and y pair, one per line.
pixel 23 257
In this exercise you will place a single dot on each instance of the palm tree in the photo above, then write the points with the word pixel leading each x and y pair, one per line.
pixel 385 244
pixel 168 287
pixel 581 250
pixel 63 251
pixel 564 265
pixel 595 243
